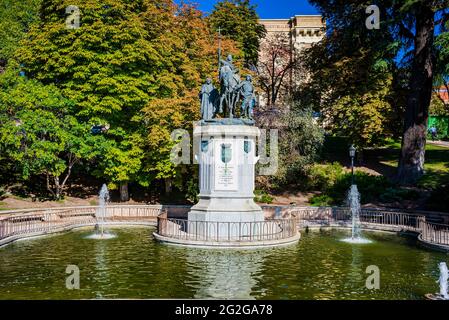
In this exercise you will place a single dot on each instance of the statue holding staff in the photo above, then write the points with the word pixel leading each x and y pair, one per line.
pixel 232 92
pixel 208 96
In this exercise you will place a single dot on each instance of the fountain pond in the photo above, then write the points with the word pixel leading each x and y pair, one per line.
pixel 134 265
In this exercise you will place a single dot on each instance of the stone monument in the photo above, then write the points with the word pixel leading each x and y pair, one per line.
pixel 226 152
pixel 225 141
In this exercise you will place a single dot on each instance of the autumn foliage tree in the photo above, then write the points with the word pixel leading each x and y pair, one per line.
pixel 132 68
pixel 188 61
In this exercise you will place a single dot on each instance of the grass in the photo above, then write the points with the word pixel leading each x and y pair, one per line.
pixel 436 164
pixel 385 160
pixel 1 205
pixel 262 197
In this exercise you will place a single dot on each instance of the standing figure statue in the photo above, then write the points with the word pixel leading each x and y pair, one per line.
pixel 247 90
pixel 208 96
pixel 229 80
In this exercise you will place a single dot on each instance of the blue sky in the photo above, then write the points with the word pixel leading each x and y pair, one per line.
pixel 269 8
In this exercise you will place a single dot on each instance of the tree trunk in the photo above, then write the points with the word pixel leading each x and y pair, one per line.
pixel 124 195
pixel 411 160
pixel 168 186
pixel 58 189
pixel 49 187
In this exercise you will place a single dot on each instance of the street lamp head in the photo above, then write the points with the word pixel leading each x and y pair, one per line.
pixel 352 151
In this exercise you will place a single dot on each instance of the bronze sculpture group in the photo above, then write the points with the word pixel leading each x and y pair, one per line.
pixel 232 92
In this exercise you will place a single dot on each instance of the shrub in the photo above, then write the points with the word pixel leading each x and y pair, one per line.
pixel 370 187
pixel 324 176
pixel 262 197
pixel 300 142
pixel 192 190
pixel 321 201
pixel 398 194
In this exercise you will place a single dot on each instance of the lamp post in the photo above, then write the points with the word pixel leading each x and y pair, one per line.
pixel 352 155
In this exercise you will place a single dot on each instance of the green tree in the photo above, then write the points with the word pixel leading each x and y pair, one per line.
pixel 300 142
pixel 438 107
pixel 38 132
pixel 133 67
pixel 353 88
pixel 364 118
pixel 107 66
pixel 16 17
pixel 402 49
pixel 239 21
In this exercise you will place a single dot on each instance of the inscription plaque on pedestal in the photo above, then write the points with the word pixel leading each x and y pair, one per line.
pixel 226 170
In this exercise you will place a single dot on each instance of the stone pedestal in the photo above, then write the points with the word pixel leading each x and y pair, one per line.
pixel 226 155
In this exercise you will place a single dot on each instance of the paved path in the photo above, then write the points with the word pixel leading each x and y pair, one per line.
pixel 439 143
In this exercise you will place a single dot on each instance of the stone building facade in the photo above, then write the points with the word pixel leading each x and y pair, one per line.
pixel 301 31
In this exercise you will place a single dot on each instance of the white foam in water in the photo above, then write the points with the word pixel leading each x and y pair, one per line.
pixel 444 274
pixel 356 240
pixel 442 280
pixel 99 236
pixel 353 201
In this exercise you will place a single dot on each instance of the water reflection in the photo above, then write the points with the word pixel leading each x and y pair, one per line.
pixel 101 268
pixel 225 274
pixel 133 265
pixel 356 273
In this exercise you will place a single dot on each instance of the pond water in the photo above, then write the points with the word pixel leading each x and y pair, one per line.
pixel 134 265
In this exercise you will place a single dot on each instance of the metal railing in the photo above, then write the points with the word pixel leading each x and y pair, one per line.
pixel 31 221
pixel 34 221
pixel 276 229
pixel 405 221
pixel 434 233
pixel 325 216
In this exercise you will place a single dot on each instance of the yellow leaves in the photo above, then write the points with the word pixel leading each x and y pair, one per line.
pixel 364 117
pixel 136 65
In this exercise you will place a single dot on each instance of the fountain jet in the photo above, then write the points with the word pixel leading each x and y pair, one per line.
pixel 444 274
pixel 353 202
pixel 100 215
pixel 103 198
